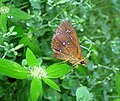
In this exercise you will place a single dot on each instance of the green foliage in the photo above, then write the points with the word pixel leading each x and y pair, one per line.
pixel 117 79
pixel 83 94
pixel 38 74
pixel 117 100
pixel 57 70
pixel 32 23
pixel 18 14
pixel 51 84
pixel 52 95
pixel 13 69
pixel 3 22
pixel 35 89
pixel 31 59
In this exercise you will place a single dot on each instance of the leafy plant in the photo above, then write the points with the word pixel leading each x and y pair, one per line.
pixel 32 23
pixel 83 94
pixel 37 72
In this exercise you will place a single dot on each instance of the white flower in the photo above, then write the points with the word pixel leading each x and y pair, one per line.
pixel 4 10
pixel 38 72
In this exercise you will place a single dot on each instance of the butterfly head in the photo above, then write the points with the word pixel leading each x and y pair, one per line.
pixel 83 61
pixel 76 61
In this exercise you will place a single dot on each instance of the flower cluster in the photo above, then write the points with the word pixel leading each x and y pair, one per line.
pixel 38 72
pixel 4 10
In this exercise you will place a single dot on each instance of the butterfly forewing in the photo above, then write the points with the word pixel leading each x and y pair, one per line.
pixel 65 43
pixel 73 37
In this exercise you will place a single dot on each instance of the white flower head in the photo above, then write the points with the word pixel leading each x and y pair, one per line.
pixel 4 10
pixel 38 72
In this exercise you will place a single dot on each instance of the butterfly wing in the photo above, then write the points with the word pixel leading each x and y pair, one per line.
pixel 65 43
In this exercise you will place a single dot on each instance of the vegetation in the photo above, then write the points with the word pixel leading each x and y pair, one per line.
pixel 27 70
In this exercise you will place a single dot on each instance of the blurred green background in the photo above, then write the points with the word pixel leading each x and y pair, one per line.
pixel 33 23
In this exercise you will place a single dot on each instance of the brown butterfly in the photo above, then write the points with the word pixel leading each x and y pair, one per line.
pixel 66 46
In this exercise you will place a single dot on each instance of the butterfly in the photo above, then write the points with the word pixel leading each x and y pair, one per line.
pixel 66 46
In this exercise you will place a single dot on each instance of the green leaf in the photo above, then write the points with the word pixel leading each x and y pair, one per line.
pixel 57 70
pixel 34 46
pixel 24 92
pixel 24 41
pixel 40 61
pixel 117 79
pixel 53 95
pixel 82 70
pixel 31 59
pixel 51 84
pixel 35 4
pixel 3 22
pixel 12 69
pixel 4 0
pixel 105 30
pixel 32 43
pixel 19 14
pixel 115 45
pixel 83 94
pixel 117 100
pixel 69 83
pixel 35 89
pixel 1 4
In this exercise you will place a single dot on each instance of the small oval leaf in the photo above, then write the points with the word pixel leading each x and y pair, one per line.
pixel 83 94
pixel 31 59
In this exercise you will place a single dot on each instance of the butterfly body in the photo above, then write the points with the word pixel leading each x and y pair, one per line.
pixel 65 44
